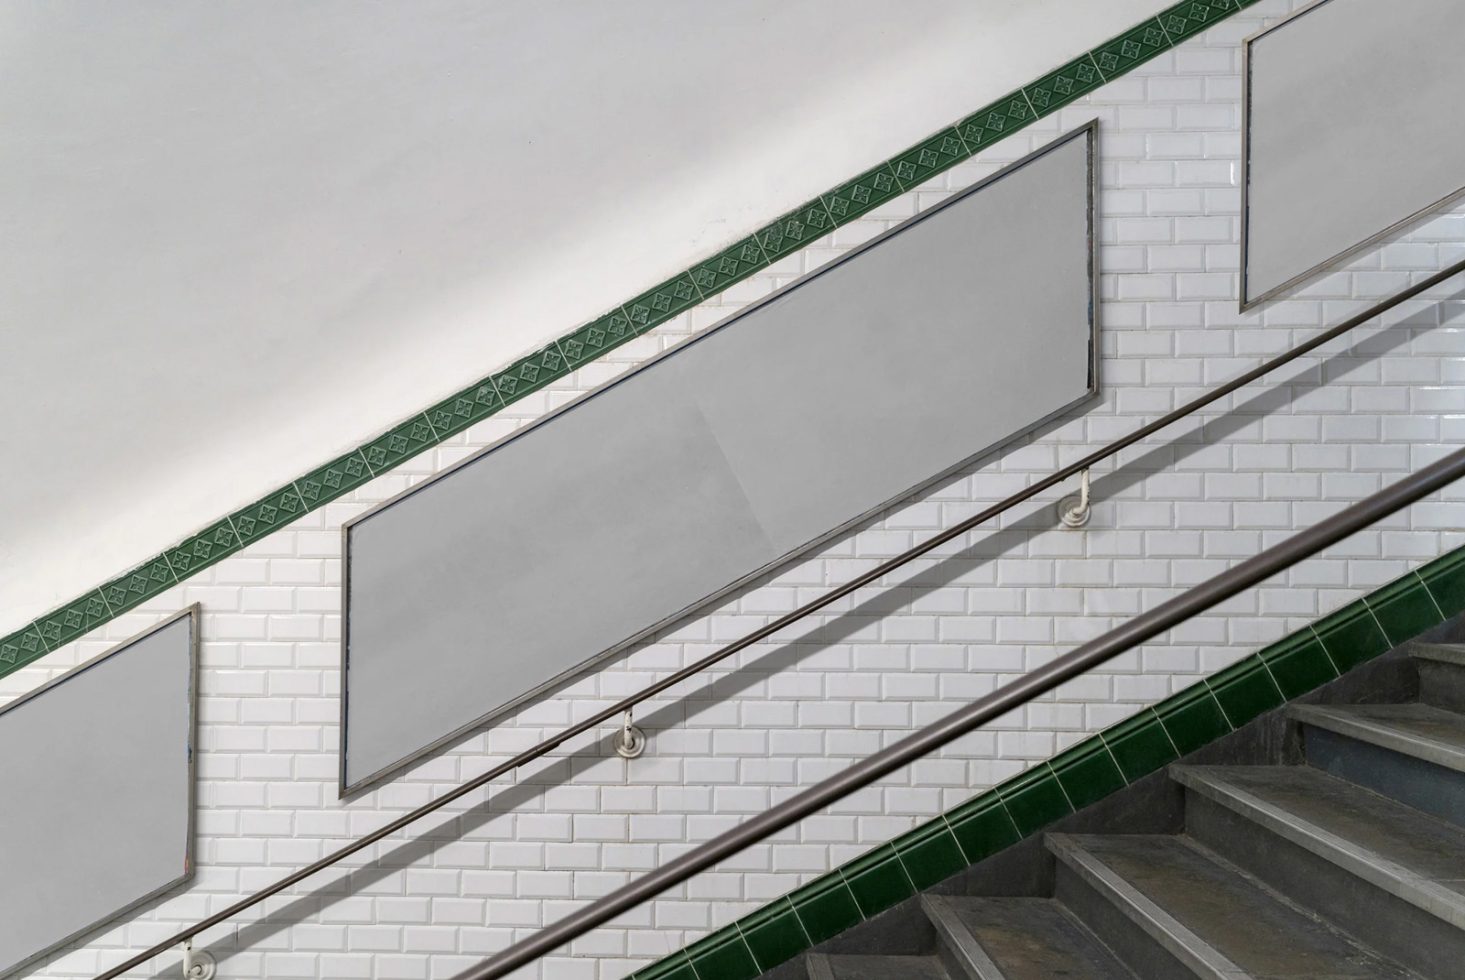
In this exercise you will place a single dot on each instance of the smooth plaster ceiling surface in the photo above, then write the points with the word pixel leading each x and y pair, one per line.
pixel 239 238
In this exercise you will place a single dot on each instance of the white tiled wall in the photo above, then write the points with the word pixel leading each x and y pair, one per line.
pixel 1174 511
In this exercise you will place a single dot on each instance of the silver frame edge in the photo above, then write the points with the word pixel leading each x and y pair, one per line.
pixel 1246 304
pixel 193 613
pixel 1088 131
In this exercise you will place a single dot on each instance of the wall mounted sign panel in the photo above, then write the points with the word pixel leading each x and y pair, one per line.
pixel 96 814
pixel 1353 127
pixel 943 339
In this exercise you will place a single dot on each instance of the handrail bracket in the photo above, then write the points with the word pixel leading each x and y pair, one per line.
pixel 630 741
pixel 198 964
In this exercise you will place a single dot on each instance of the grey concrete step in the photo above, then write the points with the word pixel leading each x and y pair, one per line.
pixel 1190 914
pixel 1384 872
pixel 1413 753
pixel 1419 730
pixel 1441 674
pixel 1017 939
pixel 1445 653
pixel 822 967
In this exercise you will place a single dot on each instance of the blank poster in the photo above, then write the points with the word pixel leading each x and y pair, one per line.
pixel 1354 125
pixel 951 335
pixel 96 791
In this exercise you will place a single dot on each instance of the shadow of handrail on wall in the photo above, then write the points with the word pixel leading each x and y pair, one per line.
pixel 837 627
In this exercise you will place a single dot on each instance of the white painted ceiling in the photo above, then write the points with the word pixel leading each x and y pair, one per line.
pixel 240 237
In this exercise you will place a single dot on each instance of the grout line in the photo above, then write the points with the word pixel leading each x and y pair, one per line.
pixel 737 927
pixel 1270 676
pixel 1326 652
pixel 1433 601
pixel 946 822
pixel 1374 616
pixel 901 861
pixel 1161 722
pixel 1031 108
pixel 45 647
pixel 1169 41
pixel 1114 758
pixel 1010 818
pixel 1211 692
pixel 1064 789
pixel 853 897
pixel 797 918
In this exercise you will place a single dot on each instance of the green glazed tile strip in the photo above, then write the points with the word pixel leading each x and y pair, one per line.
pixel 1089 771
pixel 655 306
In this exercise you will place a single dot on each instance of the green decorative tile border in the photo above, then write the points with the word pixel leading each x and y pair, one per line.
pixel 1084 774
pixel 780 237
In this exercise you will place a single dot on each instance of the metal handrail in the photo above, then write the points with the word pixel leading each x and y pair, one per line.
pixel 964 720
pixel 809 608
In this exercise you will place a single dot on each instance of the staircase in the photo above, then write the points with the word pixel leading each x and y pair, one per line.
pixel 1347 863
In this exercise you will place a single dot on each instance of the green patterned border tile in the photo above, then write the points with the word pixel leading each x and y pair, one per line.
pixel 21 647
pixel 137 586
pixel 734 264
pixel 865 193
pixel 656 306
pixel 1094 768
pixel 1132 48
pixel 208 546
pixel 527 375
pixel 1002 118
pixel 269 514
pixel 1052 92
pixel 404 441
pixel 795 230
pixel 74 621
pixel 1193 16
pixel 452 415
pixel 597 338
pixel 930 157
pixel 840 206
pixel 339 476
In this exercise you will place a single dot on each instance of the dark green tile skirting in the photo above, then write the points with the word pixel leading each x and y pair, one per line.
pixel 651 308
pixel 1084 774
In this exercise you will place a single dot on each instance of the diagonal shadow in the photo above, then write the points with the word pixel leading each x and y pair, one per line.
pixel 839 627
